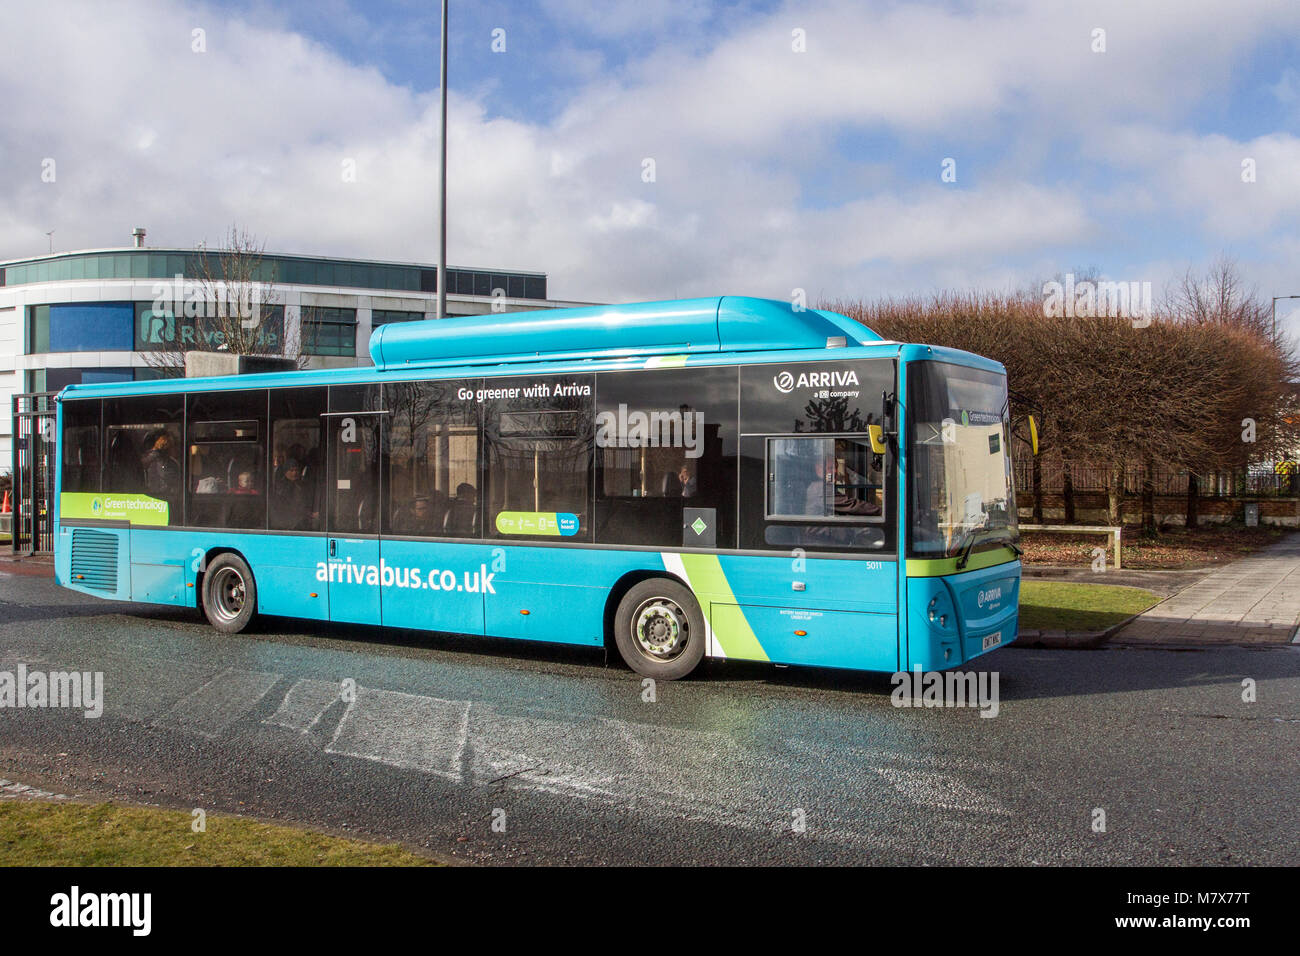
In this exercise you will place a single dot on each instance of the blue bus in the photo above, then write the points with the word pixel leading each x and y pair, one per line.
pixel 724 477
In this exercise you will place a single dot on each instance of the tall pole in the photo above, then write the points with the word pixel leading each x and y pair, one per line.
pixel 442 181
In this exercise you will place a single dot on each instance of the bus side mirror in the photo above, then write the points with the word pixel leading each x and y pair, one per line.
pixel 1033 434
pixel 877 433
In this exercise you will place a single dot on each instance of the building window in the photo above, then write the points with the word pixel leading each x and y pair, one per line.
pixel 80 327
pixel 329 331
pixel 156 264
pixel 164 331
pixel 380 317
pixel 38 329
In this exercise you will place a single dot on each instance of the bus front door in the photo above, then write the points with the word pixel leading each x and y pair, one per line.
pixel 352 542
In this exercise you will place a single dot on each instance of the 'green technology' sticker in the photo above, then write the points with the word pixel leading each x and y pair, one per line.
pixel 537 522
pixel 137 509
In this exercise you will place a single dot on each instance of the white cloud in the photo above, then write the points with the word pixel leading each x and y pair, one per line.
pixel 256 130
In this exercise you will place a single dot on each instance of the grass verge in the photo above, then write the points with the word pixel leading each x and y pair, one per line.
pixel 1062 606
pixel 38 833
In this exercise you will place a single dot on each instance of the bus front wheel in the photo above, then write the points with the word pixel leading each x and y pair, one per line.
pixel 659 629
pixel 229 593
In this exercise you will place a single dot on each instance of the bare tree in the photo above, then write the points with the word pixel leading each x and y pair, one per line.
pixel 227 301
pixel 1221 297
pixel 1174 393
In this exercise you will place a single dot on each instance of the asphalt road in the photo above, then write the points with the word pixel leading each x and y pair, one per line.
pixel 743 764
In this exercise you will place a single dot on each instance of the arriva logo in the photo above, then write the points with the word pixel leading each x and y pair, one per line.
pixel 786 383
pixel 989 596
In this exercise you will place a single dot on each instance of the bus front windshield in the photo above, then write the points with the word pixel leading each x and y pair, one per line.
pixel 960 460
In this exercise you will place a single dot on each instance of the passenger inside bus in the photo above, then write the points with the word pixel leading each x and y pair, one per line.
pixel 687 481
pixel 162 472
pixel 425 516
pixel 245 484
pixel 292 498
pixel 834 481
pixel 462 514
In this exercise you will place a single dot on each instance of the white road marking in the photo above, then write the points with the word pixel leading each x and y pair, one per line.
pixel 305 704
pixel 650 768
pixel 219 703
pixel 931 789
pixel 407 731
pixel 10 790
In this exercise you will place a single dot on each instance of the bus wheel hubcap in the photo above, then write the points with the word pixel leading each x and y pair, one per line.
pixel 229 591
pixel 660 629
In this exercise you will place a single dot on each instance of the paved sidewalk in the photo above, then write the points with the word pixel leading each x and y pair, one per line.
pixel 41 565
pixel 1252 601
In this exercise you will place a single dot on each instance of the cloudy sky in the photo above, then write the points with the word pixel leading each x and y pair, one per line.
pixel 793 145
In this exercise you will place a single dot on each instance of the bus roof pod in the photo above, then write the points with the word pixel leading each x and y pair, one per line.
pixel 684 326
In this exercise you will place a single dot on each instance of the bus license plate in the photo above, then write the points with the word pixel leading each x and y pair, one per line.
pixel 992 640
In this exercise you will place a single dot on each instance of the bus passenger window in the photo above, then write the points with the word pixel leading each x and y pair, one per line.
pixel 539 458
pixel 823 478
pixel 833 484
pixel 297 460
pixel 143 450
pixel 431 459
pixel 81 421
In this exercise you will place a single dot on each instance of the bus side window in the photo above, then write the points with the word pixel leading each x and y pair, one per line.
pixel 297 458
pixel 226 459
pixel 81 443
pixel 143 450
pixel 666 457
pixel 432 448
pixel 539 460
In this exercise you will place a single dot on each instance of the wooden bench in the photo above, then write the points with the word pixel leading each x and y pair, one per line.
pixel 1113 535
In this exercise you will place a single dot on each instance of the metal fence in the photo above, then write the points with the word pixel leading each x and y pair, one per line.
pixel 35 448
pixel 1088 478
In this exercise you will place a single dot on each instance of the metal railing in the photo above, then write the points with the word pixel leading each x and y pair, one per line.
pixel 1090 478
pixel 34 457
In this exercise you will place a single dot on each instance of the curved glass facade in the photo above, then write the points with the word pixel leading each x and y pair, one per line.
pixel 291 270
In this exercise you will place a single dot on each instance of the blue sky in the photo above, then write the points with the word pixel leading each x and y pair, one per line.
pixel 775 168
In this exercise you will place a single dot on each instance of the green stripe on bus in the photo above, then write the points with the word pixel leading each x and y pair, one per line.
pixel 705 575
pixel 939 567
pixel 666 361
pixel 111 506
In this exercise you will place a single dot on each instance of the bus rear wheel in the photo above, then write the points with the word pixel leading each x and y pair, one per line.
pixel 659 629
pixel 229 593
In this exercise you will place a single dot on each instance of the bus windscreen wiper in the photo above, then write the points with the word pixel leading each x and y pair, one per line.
pixel 973 535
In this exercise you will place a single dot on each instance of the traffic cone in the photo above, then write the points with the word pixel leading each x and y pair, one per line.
pixel 5 507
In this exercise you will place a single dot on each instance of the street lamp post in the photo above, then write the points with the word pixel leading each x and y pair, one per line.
pixel 442 180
